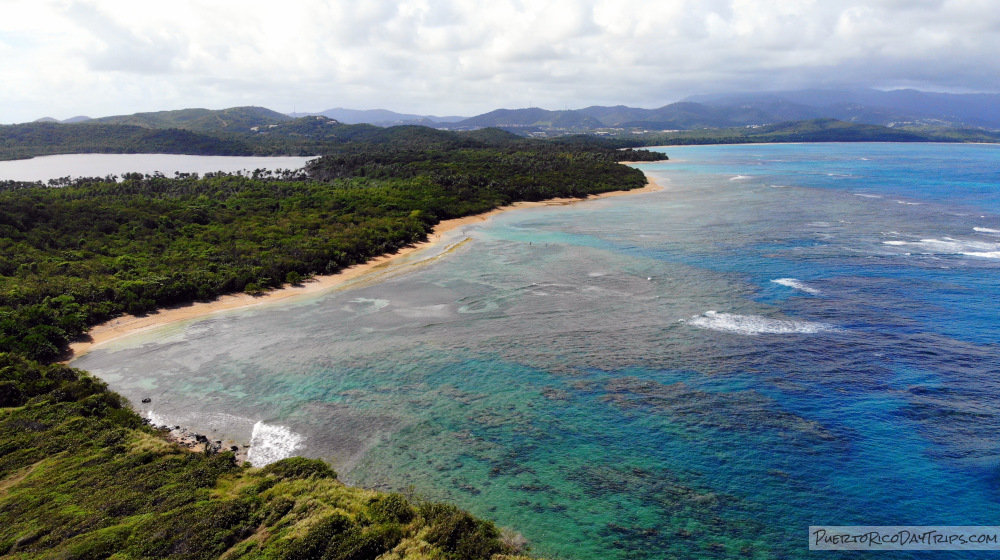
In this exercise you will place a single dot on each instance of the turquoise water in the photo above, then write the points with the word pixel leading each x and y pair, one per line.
pixel 785 336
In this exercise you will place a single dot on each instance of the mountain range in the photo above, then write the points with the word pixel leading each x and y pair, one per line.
pixel 379 117
pixel 870 106
pixel 897 108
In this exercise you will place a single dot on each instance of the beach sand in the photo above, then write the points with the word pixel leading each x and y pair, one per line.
pixel 129 324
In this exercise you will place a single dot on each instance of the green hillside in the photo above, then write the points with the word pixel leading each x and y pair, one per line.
pixel 234 119
pixel 302 136
pixel 84 477
pixel 21 141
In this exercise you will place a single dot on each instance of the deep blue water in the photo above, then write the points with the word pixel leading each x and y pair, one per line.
pixel 785 336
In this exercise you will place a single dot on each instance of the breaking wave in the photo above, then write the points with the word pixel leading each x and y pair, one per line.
pixel 754 324
pixel 949 246
pixel 156 419
pixel 795 284
pixel 269 444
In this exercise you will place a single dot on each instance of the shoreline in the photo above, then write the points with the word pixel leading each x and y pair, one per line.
pixel 126 325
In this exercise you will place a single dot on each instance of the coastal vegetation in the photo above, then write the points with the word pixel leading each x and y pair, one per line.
pixel 94 249
pixel 83 476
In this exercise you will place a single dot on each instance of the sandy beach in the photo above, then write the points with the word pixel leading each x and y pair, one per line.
pixel 129 324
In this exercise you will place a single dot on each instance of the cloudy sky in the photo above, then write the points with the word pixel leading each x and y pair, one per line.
pixel 63 58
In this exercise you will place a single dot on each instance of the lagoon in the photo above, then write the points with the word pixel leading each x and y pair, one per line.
pixel 45 168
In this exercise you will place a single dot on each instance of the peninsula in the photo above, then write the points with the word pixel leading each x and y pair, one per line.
pixel 81 475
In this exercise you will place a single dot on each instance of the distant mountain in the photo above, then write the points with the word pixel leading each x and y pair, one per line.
pixel 848 116
pixel 235 119
pixel 46 138
pixel 67 121
pixel 869 106
pixel 379 117
pixel 322 130
pixel 681 116
pixel 616 114
pixel 302 136
pixel 693 115
pixel 902 108
pixel 675 116
pixel 813 130
pixel 533 117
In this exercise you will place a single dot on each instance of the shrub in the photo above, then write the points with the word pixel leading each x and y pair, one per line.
pixel 390 508
pixel 300 467
pixel 459 533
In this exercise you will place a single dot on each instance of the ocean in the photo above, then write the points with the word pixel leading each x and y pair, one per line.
pixel 784 336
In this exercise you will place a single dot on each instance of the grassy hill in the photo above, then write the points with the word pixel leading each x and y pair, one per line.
pixel 84 477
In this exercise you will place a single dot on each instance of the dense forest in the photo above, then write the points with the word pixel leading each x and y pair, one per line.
pixel 82 476
pixel 86 252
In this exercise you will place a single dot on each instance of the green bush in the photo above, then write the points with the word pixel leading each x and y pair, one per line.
pixel 322 536
pixel 300 467
pixel 390 508
pixel 459 533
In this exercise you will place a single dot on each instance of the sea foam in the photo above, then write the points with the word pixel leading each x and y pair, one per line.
pixel 795 284
pixel 754 324
pixel 950 246
pixel 156 419
pixel 985 230
pixel 269 444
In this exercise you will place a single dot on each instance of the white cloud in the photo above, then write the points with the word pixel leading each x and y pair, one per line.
pixel 65 57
